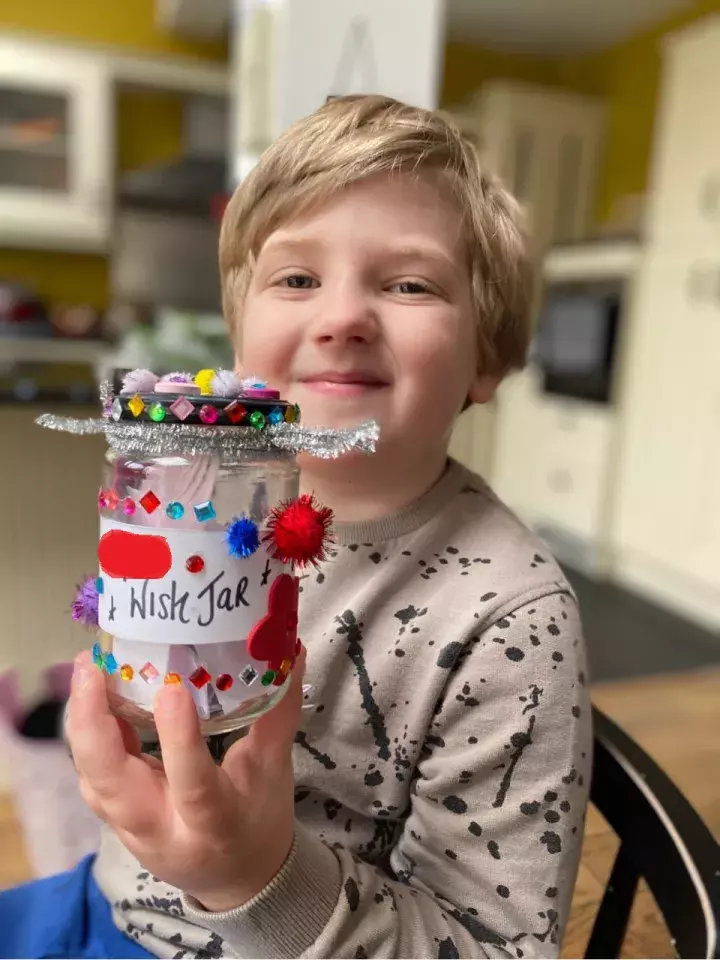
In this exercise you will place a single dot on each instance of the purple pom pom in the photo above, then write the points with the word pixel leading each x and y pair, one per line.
pixel 85 604
pixel 139 381
pixel 242 538
pixel 226 383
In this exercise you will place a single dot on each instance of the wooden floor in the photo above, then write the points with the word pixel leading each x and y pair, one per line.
pixel 675 718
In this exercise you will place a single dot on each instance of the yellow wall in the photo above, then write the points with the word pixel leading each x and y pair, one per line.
pixel 149 124
pixel 628 76
pixel 120 23
pixel 467 67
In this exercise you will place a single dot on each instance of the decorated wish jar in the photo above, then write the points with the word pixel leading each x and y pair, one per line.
pixel 202 535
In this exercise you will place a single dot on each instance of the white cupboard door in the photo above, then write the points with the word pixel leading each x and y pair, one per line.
pixel 56 147
pixel 668 481
pixel 685 182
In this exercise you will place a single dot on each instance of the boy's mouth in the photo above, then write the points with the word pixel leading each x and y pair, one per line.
pixel 355 383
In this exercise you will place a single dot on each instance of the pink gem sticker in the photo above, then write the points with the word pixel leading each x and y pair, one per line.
pixel 129 506
pixel 181 408
pixel 149 673
pixel 208 414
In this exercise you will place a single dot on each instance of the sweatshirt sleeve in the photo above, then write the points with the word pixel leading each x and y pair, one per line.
pixel 487 858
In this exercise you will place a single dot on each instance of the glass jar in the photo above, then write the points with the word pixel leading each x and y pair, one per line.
pixel 191 624
pixel 201 533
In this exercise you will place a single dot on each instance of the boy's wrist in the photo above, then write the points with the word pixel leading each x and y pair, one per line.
pixel 233 896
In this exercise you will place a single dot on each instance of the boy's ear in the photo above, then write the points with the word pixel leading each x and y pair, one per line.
pixel 483 388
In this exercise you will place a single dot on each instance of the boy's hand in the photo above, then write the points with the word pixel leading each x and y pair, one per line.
pixel 219 834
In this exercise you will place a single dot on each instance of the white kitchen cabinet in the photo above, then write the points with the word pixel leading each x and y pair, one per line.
pixel 56 146
pixel 685 184
pixel 666 529
pixel 551 466
pixel 545 145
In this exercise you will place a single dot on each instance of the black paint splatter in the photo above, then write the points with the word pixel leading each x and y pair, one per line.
pixel 455 804
pixel 374 779
pixel 515 654
pixel 535 694
pixel 475 829
pixel 551 841
pixel 553 629
pixel 530 809
pixel 360 953
pixel 477 930
pixel 520 741
pixel 352 893
pixel 348 626
pixel 448 655
pixel 322 758
pixel 451 855
pixel 332 808
pixel 503 891
pixel 493 849
pixel 447 950
pixel 487 596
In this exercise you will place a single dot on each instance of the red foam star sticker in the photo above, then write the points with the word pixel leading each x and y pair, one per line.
pixel 274 637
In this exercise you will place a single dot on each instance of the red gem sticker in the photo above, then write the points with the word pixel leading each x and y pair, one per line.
pixel 199 678
pixel 195 564
pixel 136 556
pixel 149 502
pixel 273 638
pixel 224 682
pixel 235 411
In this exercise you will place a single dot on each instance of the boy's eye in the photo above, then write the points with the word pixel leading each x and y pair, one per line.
pixel 412 286
pixel 299 281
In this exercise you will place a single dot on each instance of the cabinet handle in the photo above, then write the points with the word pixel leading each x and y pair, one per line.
pixel 560 481
pixel 710 197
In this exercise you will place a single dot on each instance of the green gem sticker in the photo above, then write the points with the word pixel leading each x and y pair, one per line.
pixel 157 412
pixel 267 678
pixel 257 419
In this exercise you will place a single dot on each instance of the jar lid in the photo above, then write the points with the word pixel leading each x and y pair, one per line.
pixel 212 413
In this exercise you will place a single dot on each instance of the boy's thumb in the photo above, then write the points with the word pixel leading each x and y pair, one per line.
pixel 272 735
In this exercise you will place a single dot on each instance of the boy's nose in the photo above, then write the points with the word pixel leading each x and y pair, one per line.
pixel 348 318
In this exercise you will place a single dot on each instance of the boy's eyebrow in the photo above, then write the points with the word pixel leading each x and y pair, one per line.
pixel 391 253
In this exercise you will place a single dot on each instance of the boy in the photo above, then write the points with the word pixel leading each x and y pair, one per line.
pixel 433 802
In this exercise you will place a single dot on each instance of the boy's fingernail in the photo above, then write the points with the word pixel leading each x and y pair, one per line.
pixel 82 674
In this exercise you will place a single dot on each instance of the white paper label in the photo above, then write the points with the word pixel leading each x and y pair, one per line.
pixel 220 604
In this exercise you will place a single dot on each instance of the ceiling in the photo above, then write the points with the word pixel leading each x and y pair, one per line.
pixel 547 27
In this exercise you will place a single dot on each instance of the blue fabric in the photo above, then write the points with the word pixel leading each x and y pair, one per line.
pixel 62 916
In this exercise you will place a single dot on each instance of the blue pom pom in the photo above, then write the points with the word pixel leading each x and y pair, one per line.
pixel 242 538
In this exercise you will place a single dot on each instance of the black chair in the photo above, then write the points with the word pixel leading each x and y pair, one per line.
pixel 662 840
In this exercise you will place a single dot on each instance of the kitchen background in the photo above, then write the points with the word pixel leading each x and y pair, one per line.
pixel 124 126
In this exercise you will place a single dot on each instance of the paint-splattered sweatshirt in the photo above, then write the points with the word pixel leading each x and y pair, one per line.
pixel 442 777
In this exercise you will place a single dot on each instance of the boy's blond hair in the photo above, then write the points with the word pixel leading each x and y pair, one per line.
pixel 355 137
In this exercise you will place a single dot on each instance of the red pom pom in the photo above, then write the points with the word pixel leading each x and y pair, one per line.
pixel 299 532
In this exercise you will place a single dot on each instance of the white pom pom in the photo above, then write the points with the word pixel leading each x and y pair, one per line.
pixel 139 381
pixel 226 383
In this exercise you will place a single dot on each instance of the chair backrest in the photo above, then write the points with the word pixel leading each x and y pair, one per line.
pixel 662 840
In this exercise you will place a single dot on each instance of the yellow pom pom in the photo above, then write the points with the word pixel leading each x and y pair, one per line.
pixel 203 379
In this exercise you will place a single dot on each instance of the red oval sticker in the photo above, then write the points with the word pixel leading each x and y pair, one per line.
pixel 135 556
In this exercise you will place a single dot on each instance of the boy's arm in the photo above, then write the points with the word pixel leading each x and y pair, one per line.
pixel 487 858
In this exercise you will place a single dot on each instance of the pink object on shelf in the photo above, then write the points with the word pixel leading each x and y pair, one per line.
pixel 261 394
pixel 58 827
pixel 189 389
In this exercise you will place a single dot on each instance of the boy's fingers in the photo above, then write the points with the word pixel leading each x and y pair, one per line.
pixel 190 770
pixel 118 786
pixel 271 736
pixel 98 747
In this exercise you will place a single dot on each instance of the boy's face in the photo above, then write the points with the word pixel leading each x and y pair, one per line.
pixel 362 309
